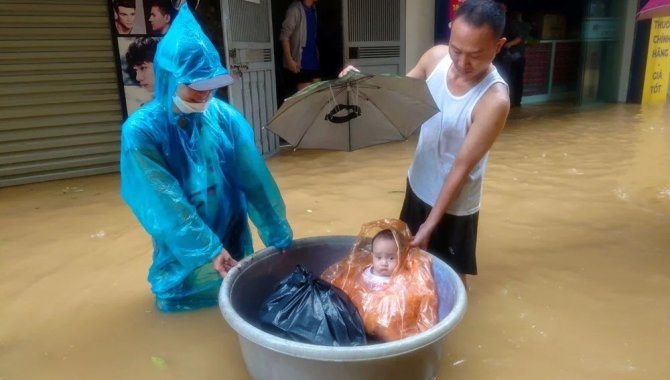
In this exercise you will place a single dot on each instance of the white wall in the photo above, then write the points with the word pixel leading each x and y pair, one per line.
pixel 419 29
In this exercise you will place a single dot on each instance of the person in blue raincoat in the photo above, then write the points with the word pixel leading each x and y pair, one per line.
pixel 191 173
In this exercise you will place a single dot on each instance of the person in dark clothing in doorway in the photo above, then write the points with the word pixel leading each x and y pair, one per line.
pixel 511 60
pixel 298 41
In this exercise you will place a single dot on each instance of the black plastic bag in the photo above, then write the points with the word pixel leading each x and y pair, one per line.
pixel 307 309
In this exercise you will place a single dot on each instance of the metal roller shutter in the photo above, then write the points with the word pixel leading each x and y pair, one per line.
pixel 60 111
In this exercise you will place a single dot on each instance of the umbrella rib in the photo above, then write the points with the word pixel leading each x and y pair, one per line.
pixel 316 114
pixel 286 108
pixel 385 115
pixel 340 85
pixel 336 90
pixel 306 96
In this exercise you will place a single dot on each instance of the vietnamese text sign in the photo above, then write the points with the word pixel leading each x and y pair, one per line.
pixel 657 72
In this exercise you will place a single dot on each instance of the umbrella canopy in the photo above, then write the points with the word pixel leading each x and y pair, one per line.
pixel 353 112
pixel 654 8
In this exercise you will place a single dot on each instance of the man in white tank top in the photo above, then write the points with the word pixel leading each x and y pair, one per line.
pixel 445 179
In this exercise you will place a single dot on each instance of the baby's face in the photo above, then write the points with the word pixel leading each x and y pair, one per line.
pixel 384 257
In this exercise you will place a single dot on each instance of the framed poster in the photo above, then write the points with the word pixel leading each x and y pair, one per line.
pixel 137 27
pixel 136 55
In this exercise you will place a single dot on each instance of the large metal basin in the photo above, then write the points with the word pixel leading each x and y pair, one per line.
pixel 269 357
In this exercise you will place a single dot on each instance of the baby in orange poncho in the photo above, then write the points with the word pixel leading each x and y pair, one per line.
pixel 390 283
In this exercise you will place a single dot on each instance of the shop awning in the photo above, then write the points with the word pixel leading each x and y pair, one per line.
pixel 654 8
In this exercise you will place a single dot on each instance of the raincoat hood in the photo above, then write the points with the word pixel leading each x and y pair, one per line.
pixel 186 56
pixel 194 179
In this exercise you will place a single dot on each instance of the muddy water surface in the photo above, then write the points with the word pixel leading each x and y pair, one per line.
pixel 573 253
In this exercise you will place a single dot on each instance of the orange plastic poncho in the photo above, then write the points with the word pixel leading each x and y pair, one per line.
pixel 407 304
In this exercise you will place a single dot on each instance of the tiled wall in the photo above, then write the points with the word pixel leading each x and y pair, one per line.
pixel 566 68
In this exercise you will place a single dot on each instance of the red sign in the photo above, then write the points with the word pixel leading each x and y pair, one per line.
pixel 453 6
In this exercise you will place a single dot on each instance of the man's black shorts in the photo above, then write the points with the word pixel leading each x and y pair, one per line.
pixel 454 240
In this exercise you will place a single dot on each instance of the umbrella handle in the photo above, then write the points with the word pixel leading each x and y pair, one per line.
pixel 354 112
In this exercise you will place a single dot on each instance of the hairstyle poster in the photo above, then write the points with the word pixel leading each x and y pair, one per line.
pixel 137 27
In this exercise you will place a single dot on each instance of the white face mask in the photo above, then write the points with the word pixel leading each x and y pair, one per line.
pixel 189 107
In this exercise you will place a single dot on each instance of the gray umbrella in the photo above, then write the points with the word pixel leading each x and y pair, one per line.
pixel 353 112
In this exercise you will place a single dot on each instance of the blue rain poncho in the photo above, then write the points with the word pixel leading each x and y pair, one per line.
pixel 192 179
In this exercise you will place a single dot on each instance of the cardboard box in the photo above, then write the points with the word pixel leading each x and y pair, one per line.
pixel 548 26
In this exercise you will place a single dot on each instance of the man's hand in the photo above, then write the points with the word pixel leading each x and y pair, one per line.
pixel 347 70
pixel 293 66
pixel 514 42
pixel 223 262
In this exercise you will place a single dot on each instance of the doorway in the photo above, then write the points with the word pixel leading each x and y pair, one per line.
pixel 602 44
pixel 329 42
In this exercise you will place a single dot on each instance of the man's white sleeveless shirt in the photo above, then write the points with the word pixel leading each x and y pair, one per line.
pixel 441 138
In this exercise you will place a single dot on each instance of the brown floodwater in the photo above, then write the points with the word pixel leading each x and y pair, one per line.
pixel 573 253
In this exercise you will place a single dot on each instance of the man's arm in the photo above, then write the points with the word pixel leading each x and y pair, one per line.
pixel 265 205
pixel 515 30
pixel 489 118
pixel 288 27
pixel 293 66
pixel 423 68
pixel 428 62
pixel 514 42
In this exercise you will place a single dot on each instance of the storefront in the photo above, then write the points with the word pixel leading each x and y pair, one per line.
pixel 576 50
pixel 60 112
pixel 67 84
pixel 66 90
